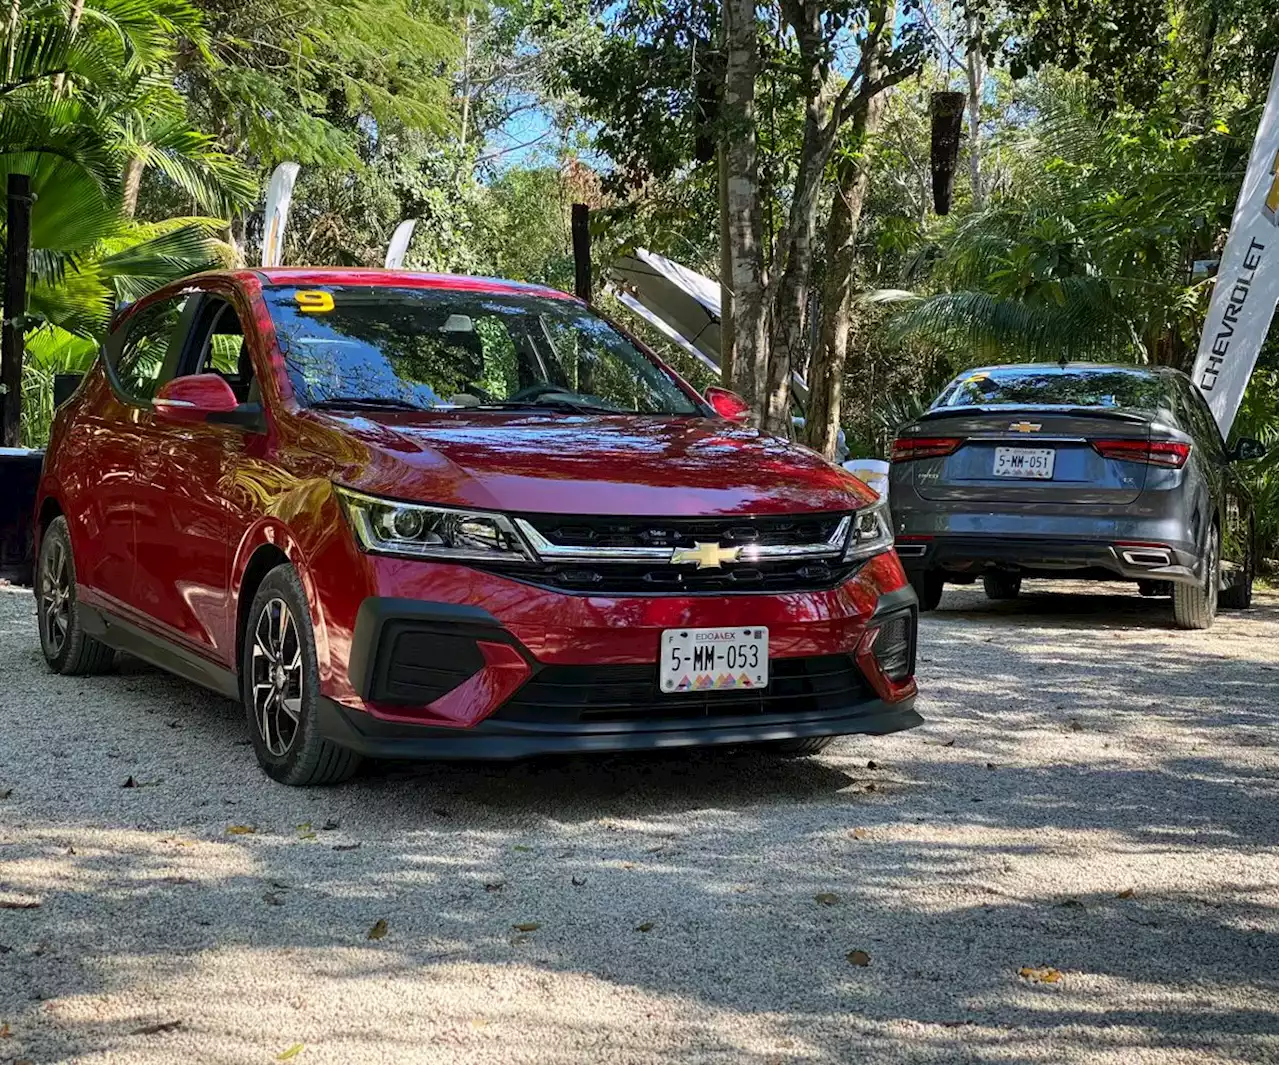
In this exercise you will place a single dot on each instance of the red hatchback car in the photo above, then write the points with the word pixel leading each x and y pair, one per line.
pixel 413 516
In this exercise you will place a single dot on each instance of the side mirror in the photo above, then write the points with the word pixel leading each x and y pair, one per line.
pixel 1247 449
pixel 194 398
pixel 64 387
pixel 729 405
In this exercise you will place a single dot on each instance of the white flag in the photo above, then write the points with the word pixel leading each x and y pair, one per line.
pixel 400 244
pixel 279 196
pixel 1248 281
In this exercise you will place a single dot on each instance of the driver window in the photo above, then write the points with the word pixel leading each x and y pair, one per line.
pixel 222 349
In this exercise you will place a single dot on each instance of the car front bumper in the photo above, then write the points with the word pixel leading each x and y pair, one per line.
pixel 423 678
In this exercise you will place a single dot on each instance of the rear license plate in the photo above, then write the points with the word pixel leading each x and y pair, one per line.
pixel 696 660
pixel 1035 463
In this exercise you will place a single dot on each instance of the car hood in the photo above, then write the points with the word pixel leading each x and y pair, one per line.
pixel 571 464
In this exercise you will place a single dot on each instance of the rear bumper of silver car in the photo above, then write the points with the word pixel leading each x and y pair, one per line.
pixel 962 555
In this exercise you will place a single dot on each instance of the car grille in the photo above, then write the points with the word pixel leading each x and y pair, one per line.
pixel 822 684
pixel 608 532
pixel 631 556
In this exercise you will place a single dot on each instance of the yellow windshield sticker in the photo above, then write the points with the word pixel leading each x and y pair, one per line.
pixel 314 301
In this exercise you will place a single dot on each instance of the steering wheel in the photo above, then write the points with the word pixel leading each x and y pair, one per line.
pixel 537 391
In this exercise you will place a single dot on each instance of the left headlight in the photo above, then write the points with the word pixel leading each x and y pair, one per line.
pixel 389 527
pixel 872 532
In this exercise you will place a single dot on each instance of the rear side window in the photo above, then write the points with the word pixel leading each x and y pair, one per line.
pixel 141 360
pixel 1054 387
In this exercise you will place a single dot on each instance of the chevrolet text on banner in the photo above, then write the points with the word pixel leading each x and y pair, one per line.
pixel 1245 291
pixel 279 196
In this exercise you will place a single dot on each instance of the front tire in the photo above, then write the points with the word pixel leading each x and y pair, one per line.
pixel 928 588
pixel 1195 605
pixel 1001 585
pixel 1240 595
pixel 67 648
pixel 280 687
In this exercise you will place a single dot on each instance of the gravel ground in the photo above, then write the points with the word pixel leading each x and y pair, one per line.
pixel 1094 793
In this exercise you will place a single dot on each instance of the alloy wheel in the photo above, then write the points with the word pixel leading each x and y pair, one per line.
pixel 55 598
pixel 277 676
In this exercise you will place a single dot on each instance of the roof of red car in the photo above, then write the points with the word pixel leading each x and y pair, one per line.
pixel 336 275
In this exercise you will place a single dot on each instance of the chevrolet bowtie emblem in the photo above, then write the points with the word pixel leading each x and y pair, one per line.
pixel 707 556
pixel 1025 427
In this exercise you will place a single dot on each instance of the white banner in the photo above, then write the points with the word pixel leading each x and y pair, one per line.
pixel 279 196
pixel 400 244
pixel 1248 281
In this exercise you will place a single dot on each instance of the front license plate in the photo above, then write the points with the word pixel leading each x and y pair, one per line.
pixel 1035 463
pixel 700 660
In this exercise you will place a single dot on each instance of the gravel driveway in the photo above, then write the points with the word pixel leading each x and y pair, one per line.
pixel 1093 800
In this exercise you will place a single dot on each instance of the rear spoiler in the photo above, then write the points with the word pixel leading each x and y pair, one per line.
pixel 1118 414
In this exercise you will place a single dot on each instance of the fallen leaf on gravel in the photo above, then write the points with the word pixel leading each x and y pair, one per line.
pixel 6 793
pixel 859 833
pixel 130 783
pixel 1076 726
pixel 522 848
pixel 1071 904
pixel 24 1061
pixel 330 825
pixel 178 880
pixel 517 940
pixel 5 1032
pixel 859 957
pixel 1127 893
pixel 272 899
pixel 496 886
pixel 346 846
pixel 991 765
pixel 871 786
pixel 628 865
pixel 292 1052
pixel 645 926
pixel 19 904
pixel 1040 976
pixel 941 743
pixel 873 765
pixel 240 830
pixel 304 827
pixel 826 898
pixel 378 930
pixel 578 881
pixel 156 1029
pixel 526 926
pixel 479 1022
pixel 955 1024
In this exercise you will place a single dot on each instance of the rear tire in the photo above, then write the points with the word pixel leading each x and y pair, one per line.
pixel 928 588
pixel 1001 585
pixel 1239 595
pixel 67 648
pixel 280 687
pixel 1195 605
pixel 800 748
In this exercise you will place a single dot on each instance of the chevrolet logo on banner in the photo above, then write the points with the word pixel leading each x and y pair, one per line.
pixel 1025 427
pixel 1246 288
pixel 706 556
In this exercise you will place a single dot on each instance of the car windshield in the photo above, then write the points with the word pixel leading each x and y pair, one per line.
pixel 1052 386
pixel 387 347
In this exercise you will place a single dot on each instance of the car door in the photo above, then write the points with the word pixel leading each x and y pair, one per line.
pixel 1229 495
pixel 111 442
pixel 183 534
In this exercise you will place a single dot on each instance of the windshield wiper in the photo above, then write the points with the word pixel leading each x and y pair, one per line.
pixel 572 405
pixel 368 402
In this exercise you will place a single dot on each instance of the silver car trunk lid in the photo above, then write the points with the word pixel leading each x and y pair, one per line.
pixel 1003 447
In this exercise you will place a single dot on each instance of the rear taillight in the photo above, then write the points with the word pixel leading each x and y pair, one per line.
pixel 906 448
pixel 1170 453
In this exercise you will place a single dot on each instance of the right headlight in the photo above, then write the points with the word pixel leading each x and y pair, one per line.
pixel 872 532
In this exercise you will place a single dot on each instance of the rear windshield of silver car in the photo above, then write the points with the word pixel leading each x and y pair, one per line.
pixel 1042 386
pixel 449 349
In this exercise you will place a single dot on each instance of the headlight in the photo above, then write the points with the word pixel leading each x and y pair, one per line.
pixel 871 534
pixel 387 527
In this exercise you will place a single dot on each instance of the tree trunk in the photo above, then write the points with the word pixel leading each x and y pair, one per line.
pixel 974 64
pixel 826 372
pixel 130 185
pixel 744 230
pixel 73 24
pixel 726 268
